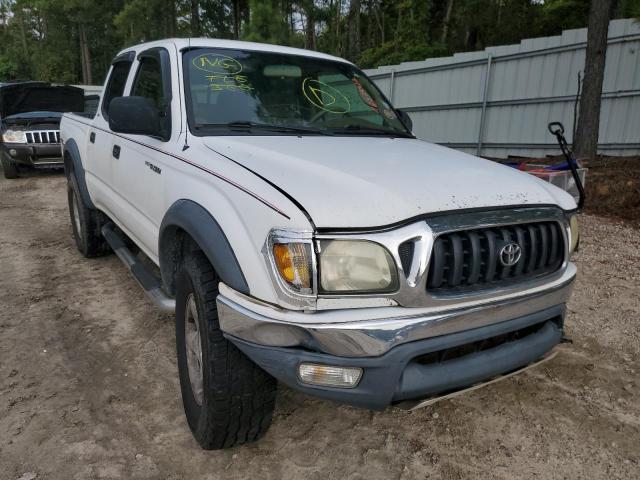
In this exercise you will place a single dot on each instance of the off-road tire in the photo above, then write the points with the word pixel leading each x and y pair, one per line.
pixel 10 169
pixel 86 227
pixel 238 397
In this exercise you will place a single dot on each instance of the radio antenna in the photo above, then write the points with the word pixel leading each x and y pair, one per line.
pixel 186 129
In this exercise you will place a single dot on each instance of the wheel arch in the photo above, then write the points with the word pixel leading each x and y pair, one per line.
pixel 187 219
pixel 73 166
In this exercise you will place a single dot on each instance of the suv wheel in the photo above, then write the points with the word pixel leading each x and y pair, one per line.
pixel 228 400
pixel 10 169
pixel 86 223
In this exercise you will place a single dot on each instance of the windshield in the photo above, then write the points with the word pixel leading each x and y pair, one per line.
pixel 254 92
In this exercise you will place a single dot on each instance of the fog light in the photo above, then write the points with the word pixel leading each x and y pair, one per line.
pixel 13 152
pixel 315 374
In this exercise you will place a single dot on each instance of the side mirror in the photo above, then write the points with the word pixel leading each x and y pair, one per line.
pixel 135 115
pixel 405 119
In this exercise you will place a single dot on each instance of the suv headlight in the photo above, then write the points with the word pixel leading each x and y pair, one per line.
pixel 574 233
pixel 13 136
pixel 356 266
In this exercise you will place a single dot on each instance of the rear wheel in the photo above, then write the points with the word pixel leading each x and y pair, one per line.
pixel 10 169
pixel 228 400
pixel 86 223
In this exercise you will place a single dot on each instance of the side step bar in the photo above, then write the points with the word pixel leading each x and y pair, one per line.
pixel 147 280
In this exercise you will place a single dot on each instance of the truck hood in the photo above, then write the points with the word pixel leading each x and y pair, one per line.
pixel 36 96
pixel 368 182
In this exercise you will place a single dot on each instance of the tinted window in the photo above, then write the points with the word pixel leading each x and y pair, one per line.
pixel 115 86
pixel 149 84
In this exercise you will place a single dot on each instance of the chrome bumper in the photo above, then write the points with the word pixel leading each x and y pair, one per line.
pixel 371 332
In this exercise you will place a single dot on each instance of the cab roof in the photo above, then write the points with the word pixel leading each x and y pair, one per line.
pixel 183 43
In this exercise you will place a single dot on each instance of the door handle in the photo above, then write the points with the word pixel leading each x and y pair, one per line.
pixel 116 151
pixel 92 137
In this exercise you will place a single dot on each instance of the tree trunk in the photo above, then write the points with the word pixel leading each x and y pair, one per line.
pixel 292 23
pixel 379 22
pixel 23 34
pixel 354 30
pixel 172 20
pixel 445 23
pixel 369 41
pixel 586 142
pixel 195 18
pixel 338 47
pixel 87 78
pixel 310 26
pixel 236 19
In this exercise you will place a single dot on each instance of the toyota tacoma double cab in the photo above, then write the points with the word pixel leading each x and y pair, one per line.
pixel 277 202
pixel 30 114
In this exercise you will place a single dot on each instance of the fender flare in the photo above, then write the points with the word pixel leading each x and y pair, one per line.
pixel 73 166
pixel 200 225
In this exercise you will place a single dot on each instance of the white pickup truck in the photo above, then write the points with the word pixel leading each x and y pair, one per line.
pixel 277 203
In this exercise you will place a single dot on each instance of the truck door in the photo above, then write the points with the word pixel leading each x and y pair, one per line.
pixel 98 162
pixel 140 169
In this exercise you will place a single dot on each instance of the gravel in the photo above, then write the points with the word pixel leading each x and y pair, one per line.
pixel 89 387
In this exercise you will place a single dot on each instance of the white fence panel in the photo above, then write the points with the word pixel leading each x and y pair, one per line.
pixel 498 102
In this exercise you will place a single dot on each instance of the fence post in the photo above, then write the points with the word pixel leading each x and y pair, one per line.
pixel 392 83
pixel 487 78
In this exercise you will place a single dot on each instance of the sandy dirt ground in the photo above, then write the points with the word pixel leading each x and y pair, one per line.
pixel 89 386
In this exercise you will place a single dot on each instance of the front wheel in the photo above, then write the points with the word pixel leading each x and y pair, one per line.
pixel 86 223
pixel 228 400
pixel 10 169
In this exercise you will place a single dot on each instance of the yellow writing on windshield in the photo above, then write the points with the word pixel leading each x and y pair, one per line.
pixel 324 96
pixel 229 82
pixel 217 63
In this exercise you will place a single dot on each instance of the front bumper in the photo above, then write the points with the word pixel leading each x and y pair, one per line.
pixel 368 332
pixel 33 155
pixel 403 358
pixel 409 372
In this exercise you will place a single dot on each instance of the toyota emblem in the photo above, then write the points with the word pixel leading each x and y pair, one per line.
pixel 510 254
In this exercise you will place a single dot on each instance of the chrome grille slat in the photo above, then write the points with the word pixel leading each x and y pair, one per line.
pixel 476 257
pixel 455 272
pixel 43 136
pixel 468 260
pixel 491 258
pixel 533 248
pixel 519 268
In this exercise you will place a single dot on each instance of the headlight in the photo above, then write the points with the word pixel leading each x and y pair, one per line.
pixel 294 264
pixel 356 266
pixel 574 233
pixel 12 136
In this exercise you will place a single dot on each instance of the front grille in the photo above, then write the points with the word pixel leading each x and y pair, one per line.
pixel 470 259
pixel 43 136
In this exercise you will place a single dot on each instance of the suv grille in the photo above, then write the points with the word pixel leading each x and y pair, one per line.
pixel 470 259
pixel 43 136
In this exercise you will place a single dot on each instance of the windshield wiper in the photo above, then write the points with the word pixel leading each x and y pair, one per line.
pixel 361 130
pixel 268 126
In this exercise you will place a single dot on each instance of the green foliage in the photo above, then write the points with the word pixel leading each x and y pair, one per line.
pixel 8 69
pixel 564 14
pixel 142 21
pixel 74 40
pixel 396 51
pixel 267 24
